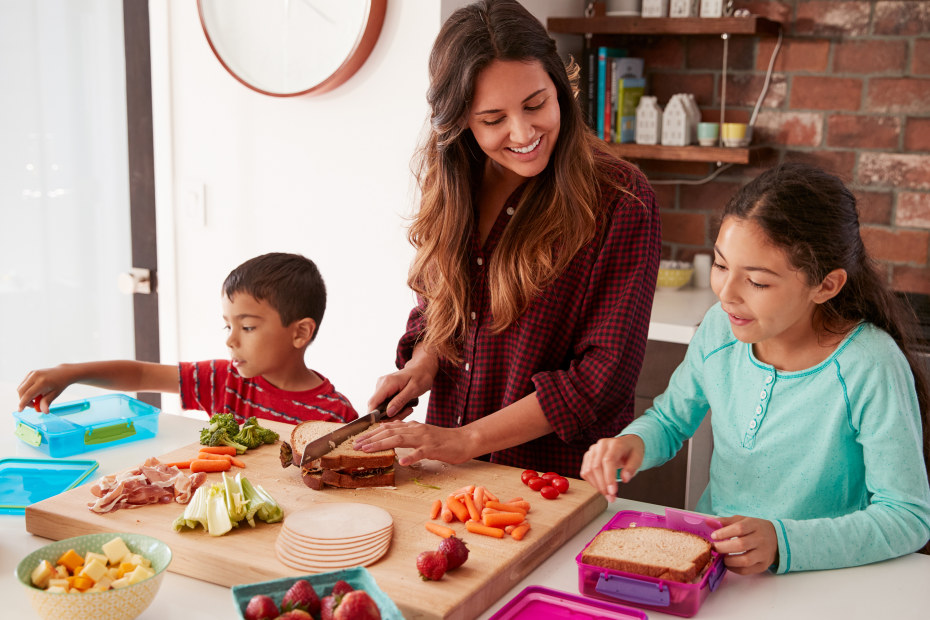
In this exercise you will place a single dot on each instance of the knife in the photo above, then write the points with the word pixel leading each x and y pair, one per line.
pixel 323 445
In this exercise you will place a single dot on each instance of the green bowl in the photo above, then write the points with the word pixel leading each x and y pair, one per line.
pixel 115 604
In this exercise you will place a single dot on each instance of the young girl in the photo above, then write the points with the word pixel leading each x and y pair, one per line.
pixel 816 397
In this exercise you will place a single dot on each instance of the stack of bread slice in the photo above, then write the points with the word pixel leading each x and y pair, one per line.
pixel 332 536
pixel 653 551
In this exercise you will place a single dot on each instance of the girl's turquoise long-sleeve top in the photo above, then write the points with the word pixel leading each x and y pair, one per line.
pixel 832 455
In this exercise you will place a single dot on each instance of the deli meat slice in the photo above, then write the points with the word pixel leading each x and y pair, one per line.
pixel 150 483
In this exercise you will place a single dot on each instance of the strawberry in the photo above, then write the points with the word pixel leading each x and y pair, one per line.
pixel 295 614
pixel 432 565
pixel 301 595
pixel 261 607
pixel 341 587
pixel 357 605
pixel 455 551
pixel 328 606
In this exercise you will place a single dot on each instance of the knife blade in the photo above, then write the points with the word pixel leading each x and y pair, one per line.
pixel 325 444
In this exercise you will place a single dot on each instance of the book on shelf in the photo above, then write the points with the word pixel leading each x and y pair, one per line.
pixel 629 92
pixel 603 112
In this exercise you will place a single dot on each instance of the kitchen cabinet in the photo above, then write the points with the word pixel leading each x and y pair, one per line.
pixel 610 30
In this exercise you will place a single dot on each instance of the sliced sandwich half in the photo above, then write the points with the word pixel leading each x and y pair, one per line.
pixel 653 551
pixel 344 466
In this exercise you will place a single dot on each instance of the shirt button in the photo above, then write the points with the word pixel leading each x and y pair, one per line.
pixel 763 394
pixel 467 366
pixel 474 316
pixel 458 420
pixel 758 409
pixel 769 379
pixel 509 210
pixel 753 424
pixel 480 261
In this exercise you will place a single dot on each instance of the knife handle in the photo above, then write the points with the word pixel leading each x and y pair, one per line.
pixel 382 408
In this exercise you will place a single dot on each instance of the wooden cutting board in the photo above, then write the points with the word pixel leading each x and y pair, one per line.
pixel 246 555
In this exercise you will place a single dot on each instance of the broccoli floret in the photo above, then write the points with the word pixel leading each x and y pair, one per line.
pixel 253 434
pixel 225 421
pixel 221 438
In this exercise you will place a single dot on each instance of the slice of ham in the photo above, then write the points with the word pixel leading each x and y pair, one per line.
pixel 150 483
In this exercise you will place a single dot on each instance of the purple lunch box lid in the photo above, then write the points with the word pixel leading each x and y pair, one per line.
pixel 539 603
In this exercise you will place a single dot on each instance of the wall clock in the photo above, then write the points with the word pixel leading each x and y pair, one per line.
pixel 286 48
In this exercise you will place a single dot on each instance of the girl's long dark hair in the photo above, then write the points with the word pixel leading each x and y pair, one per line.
pixel 812 215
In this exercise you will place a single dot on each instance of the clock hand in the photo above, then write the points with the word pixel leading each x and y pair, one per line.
pixel 316 10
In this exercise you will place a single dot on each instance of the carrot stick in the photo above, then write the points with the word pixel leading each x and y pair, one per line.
pixel 502 518
pixel 457 508
pixel 472 509
pixel 505 507
pixel 522 505
pixel 510 528
pixel 477 528
pixel 514 500
pixel 179 464
pixel 446 514
pixel 491 496
pixel 199 465
pixel 209 456
pixel 435 509
pixel 468 488
pixel 479 498
pixel 219 450
pixel 520 531
pixel 440 530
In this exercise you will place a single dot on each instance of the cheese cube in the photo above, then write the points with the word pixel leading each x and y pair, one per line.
pixel 98 587
pixel 113 572
pixel 90 555
pixel 122 582
pixel 59 583
pixel 105 581
pixel 58 589
pixel 61 571
pixel 116 550
pixel 125 568
pixel 95 569
pixel 71 560
pixel 137 559
pixel 141 573
pixel 42 573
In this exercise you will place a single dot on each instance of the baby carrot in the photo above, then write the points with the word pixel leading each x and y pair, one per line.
pixel 514 500
pixel 505 507
pixel 472 509
pixel 209 456
pixel 490 496
pixel 457 508
pixel 179 464
pixel 502 518
pixel 477 528
pixel 520 531
pixel 206 465
pixel 446 515
pixel 479 498
pixel 219 450
pixel 440 530
pixel 435 509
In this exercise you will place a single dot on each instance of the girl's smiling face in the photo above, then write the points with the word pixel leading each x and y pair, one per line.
pixel 515 115
pixel 769 302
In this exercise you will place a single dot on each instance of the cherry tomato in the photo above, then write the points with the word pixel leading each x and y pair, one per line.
pixel 549 492
pixel 550 475
pixel 529 473
pixel 537 483
pixel 36 403
pixel 560 484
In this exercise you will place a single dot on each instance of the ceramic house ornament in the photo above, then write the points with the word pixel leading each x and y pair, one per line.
pixel 711 8
pixel 655 8
pixel 648 121
pixel 676 130
pixel 683 8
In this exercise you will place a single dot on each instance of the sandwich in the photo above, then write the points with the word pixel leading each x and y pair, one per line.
pixel 652 551
pixel 342 467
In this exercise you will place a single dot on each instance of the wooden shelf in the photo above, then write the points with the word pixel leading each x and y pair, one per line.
pixel 752 25
pixel 710 154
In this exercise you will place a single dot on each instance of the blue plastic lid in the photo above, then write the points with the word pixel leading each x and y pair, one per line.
pixel 539 603
pixel 27 481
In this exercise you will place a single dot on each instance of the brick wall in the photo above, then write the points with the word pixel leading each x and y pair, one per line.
pixel 850 92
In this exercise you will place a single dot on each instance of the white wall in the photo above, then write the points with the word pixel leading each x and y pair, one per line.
pixel 327 176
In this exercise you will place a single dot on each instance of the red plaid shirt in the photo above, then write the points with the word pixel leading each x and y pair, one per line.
pixel 579 346
pixel 216 387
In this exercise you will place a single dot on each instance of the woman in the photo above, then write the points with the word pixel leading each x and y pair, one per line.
pixel 536 260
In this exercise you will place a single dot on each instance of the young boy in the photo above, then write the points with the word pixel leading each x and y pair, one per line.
pixel 272 307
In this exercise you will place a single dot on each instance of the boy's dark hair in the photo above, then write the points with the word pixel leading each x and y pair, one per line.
pixel 812 216
pixel 289 283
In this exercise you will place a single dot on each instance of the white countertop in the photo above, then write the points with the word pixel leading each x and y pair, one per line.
pixel 895 589
pixel 677 314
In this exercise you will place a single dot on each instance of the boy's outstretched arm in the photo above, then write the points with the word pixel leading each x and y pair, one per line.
pixel 122 375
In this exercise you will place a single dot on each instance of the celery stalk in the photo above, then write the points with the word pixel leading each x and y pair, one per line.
pixel 218 521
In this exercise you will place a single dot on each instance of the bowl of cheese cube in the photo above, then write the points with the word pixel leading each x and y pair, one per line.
pixel 99 576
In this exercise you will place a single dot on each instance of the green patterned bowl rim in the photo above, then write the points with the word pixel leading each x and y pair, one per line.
pixel 158 553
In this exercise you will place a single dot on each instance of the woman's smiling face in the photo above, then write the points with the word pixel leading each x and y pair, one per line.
pixel 515 115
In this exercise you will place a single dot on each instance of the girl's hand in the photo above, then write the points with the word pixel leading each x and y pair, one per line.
pixel 428 442
pixel 45 385
pixel 750 545
pixel 603 459
pixel 413 380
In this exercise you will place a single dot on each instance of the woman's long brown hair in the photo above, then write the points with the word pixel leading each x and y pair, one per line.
pixel 558 210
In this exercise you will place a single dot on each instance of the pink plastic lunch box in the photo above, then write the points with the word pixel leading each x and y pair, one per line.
pixel 671 597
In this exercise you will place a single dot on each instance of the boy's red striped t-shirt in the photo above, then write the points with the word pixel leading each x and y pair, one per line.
pixel 214 386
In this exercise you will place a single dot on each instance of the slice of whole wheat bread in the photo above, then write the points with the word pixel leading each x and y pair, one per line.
pixel 652 551
pixel 342 456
